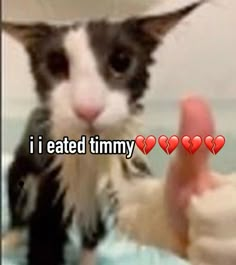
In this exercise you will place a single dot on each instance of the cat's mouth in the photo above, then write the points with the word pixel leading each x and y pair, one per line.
pixel 92 130
pixel 95 130
pixel 105 132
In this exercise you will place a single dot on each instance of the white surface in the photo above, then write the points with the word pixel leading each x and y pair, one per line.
pixel 72 9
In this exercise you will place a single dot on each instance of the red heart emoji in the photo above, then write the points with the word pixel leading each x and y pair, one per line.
pixel 214 145
pixel 145 145
pixel 168 145
pixel 191 145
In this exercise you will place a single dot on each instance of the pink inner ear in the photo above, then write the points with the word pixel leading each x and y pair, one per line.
pixel 158 26
pixel 188 174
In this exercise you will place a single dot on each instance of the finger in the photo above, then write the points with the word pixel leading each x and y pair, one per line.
pixel 208 213
pixel 195 119
pixel 212 251
pixel 188 173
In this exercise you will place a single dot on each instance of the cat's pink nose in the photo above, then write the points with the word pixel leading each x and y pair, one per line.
pixel 88 112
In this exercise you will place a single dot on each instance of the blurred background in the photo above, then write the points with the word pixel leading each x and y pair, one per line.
pixel 199 57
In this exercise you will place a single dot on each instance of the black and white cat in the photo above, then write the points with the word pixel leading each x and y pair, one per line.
pixel 90 79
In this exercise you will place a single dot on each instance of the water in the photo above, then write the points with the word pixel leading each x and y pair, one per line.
pixel 161 117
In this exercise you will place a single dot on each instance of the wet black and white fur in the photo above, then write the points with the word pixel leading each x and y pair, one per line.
pixel 100 66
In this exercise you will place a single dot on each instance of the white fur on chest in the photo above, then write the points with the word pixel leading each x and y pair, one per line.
pixel 78 179
pixel 84 179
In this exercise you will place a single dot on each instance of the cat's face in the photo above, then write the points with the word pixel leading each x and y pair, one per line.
pixel 92 75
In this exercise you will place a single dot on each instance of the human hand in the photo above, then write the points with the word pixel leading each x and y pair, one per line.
pixel 212 230
pixel 201 205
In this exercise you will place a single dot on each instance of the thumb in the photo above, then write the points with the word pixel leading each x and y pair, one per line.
pixel 195 119
pixel 189 173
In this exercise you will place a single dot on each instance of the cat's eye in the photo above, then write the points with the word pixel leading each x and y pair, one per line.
pixel 57 63
pixel 120 61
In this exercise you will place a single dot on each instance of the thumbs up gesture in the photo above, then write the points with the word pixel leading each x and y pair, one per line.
pixel 201 205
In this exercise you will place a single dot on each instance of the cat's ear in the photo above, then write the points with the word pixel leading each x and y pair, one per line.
pixel 27 34
pixel 158 26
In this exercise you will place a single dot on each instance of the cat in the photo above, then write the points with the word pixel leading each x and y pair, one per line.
pixel 90 79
